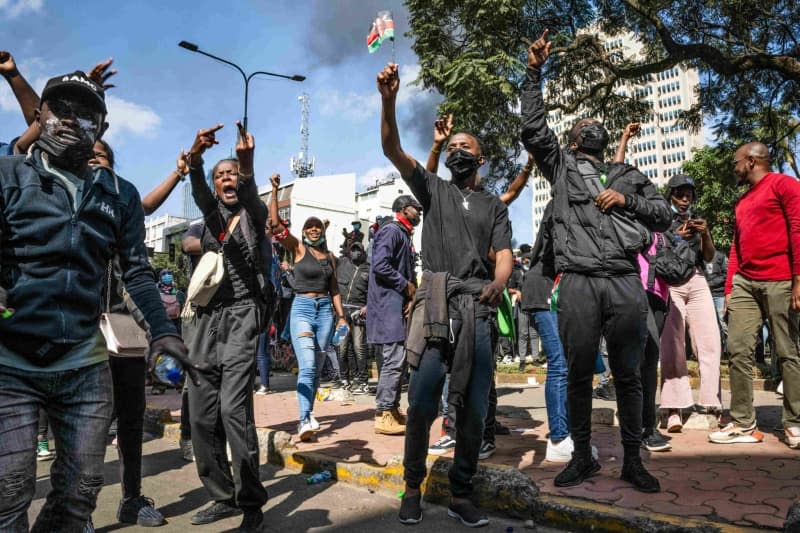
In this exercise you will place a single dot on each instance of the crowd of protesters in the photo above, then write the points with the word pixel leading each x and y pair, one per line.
pixel 618 273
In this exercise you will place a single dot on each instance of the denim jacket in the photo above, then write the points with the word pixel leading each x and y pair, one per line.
pixel 54 258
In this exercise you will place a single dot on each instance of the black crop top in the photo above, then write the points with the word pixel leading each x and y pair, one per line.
pixel 312 274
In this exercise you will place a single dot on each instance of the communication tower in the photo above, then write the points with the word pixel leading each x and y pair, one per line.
pixel 302 165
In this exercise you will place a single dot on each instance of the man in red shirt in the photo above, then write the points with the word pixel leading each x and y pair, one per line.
pixel 763 282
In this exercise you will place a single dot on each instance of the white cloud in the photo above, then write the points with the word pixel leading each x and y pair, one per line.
pixel 366 105
pixel 13 9
pixel 129 118
pixel 369 177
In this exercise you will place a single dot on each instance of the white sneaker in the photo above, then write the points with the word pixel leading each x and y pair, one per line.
pixel 779 390
pixel 734 433
pixel 793 437
pixel 304 430
pixel 562 452
pixel 187 450
pixel 313 422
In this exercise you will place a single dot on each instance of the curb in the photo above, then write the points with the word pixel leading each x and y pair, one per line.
pixel 497 488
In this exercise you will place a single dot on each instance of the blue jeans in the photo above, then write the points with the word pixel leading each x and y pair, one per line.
pixel 78 405
pixel 555 388
pixel 311 322
pixel 263 357
pixel 424 395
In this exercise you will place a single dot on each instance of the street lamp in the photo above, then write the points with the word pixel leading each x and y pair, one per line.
pixel 246 77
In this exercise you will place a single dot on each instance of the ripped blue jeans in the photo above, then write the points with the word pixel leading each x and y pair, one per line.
pixel 311 322
pixel 78 405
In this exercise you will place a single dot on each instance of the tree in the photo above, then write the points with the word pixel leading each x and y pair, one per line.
pixel 748 54
pixel 178 266
pixel 717 193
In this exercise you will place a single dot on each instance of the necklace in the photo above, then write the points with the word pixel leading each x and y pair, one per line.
pixel 465 203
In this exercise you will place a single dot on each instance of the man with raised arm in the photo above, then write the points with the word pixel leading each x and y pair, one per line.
pixel 449 327
pixel 602 215
pixel 61 222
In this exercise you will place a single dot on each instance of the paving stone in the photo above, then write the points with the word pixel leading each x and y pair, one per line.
pixel 668 507
pixel 696 421
pixel 782 504
pixel 768 520
pixel 735 511
pixel 692 497
pixel 631 498
pixel 590 492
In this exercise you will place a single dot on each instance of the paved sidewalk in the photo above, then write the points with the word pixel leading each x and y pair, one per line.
pixel 750 485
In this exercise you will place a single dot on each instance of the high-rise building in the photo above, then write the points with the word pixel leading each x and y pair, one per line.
pixel 190 209
pixel 662 145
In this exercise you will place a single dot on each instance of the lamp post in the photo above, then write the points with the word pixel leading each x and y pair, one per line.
pixel 246 77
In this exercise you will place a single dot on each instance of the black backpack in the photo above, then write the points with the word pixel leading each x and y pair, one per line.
pixel 675 259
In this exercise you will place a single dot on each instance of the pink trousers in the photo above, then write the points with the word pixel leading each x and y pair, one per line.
pixel 691 304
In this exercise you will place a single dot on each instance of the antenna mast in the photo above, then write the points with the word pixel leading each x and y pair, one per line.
pixel 302 165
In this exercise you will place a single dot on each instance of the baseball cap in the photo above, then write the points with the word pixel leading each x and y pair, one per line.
pixel 401 202
pixel 76 83
pixel 679 180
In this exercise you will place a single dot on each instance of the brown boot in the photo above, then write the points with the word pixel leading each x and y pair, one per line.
pixel 387 424
pixel 399 415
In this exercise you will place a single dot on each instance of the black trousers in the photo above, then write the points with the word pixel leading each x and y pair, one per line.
pixel 615 308
pixel 221 406
pixel 127 378
pixel 657 315
pixel 353 353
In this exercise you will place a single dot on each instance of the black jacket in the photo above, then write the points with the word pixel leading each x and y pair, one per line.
pixel 716 272
pixel 54 258
pixel 583 237
pixel 353 281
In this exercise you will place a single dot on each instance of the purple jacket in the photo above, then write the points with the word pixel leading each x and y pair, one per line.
pixel 391 269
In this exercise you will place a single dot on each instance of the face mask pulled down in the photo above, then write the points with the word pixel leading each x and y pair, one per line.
pixel 462 164
pixel 76 147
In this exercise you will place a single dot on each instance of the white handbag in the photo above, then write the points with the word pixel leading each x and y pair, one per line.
pixel 208 275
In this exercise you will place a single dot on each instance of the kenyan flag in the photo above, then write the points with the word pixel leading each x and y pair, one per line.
pixel 382 28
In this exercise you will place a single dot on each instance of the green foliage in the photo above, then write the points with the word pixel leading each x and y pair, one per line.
pixel 712 170
pixel 473 52
pixel 179 266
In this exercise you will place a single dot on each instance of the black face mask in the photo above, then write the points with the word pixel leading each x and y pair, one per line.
pixel 462 164
pixel 593 139
pixel 357 257
pixel 74 152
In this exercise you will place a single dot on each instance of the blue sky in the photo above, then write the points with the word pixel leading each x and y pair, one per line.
pixel 164 93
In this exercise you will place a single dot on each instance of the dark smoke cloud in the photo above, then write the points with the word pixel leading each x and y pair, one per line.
pixel 418 118
pixel 340 28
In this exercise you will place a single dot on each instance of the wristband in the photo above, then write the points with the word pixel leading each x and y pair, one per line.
pixel 435 150
pixel 282 235
pixel 245 176
pixel 7 313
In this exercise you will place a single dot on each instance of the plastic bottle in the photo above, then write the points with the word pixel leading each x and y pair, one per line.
pixel 319 477
pixel 341 333
pixel 167 370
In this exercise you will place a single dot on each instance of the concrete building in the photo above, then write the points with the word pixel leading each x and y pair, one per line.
pixel 156 229
pixel 662 145
pixel 335 198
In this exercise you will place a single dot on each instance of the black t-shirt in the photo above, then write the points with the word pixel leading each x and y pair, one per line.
pixel 456 239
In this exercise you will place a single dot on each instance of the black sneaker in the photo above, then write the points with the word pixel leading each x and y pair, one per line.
pixel 139 511
pixel 467 513
pixel 487 450
pixel 605 392
pixel 360 389
pixel 655 442
pixel 215 511
pixel 251 521
pixel 410 510
pixel 577 470
pixel 634 472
